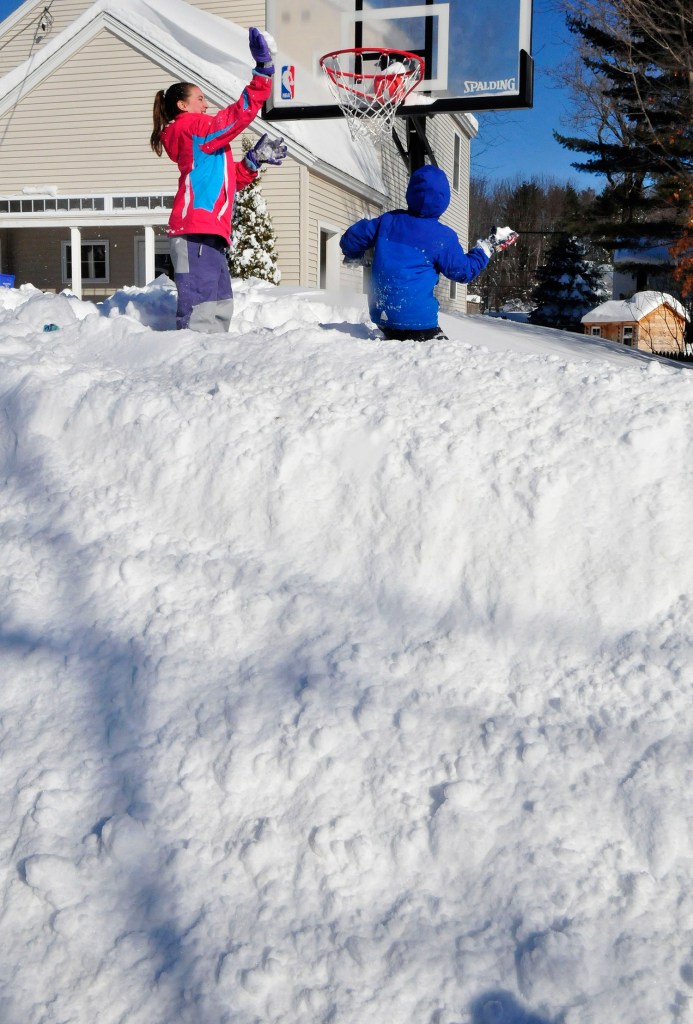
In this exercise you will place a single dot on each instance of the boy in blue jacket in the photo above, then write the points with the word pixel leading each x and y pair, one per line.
pixel 411 249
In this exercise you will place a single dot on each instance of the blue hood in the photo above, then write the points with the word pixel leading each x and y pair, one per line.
pixel 428 192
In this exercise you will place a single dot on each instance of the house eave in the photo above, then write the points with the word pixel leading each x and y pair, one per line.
pixel 178 69
pixel 79 219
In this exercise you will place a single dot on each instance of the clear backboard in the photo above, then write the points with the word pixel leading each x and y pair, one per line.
pixel 477 53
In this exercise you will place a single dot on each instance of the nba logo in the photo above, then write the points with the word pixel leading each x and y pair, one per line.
pixel 288 82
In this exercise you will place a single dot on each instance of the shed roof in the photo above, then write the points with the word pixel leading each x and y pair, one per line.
pixel 633 310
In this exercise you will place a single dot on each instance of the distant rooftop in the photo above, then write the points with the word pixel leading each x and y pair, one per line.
pixel 634 309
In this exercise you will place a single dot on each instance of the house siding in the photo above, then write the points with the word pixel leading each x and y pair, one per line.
pixel 280 188
pixel 17 39
pixel 441 132
pixel 108 153
pixel 335 207
pixel 247 13
pixel 661 331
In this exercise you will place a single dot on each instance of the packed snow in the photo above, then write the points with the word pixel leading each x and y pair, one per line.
pixel 344 680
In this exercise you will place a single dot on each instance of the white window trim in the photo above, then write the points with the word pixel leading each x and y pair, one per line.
pixel 596 332
pixel 116 204
pixel 162 246
pixel 85 280
pixel 457 171
pixel 333 255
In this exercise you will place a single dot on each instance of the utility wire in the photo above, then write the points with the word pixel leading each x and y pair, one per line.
pixel 45 17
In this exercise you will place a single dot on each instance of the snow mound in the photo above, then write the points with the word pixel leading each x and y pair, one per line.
pixel 343 680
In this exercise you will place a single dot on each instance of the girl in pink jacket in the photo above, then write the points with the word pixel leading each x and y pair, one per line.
pixel 200 222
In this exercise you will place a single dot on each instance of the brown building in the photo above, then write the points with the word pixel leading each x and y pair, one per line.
pixel 651 321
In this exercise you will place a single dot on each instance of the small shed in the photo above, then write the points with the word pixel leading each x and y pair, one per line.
pixel 652 321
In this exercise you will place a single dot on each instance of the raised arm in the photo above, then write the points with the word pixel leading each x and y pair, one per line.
pixel 232 120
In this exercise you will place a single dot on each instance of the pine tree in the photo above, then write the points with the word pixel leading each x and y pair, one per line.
pixel 569 285
pixel 253 241
pixel 641 138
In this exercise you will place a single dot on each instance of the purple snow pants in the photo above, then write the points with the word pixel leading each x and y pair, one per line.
pixel 203 282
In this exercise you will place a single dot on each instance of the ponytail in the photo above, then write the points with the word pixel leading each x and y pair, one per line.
pixel 159 123
pixel 166 110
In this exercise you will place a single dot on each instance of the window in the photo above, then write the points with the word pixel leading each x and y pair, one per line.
pixel 456 160
pixel 41 205
pixel 95 262
pixel 596 332
pixel 453 289
pixel 144 202
pixel 627 336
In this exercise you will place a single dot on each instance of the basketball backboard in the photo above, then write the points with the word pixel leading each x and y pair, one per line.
pixel 477 52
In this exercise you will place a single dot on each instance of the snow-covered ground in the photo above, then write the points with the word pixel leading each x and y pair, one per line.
pixel 343 680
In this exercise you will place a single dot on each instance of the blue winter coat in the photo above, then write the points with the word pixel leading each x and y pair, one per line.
pixel 411 249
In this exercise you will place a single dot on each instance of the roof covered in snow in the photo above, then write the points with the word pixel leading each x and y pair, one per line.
pixel 645 254
pixel 634 309
pixel 193 45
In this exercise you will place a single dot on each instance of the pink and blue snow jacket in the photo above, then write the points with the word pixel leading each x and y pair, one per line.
pixel 411 249
pixel 201 146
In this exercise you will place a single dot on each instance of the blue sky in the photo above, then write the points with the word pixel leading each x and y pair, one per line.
pixel 6 7
pixel 519 142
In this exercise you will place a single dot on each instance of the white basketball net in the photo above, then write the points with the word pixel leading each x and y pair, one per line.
pixel 369 101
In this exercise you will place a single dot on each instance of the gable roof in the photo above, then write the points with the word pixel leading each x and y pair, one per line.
pixel 633 310
pixel 190 44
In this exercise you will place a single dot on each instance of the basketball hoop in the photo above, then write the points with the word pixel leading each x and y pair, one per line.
pixel 369 99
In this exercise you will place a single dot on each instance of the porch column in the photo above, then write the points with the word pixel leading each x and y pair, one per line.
pixel 76 250
pixel 149 268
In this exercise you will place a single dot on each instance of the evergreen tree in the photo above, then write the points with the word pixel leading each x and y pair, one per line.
pixel 538 208
pixel 253 241
pixel 641 137
pixel 569 285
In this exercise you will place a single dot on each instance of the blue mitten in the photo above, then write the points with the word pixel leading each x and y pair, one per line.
pixel 265 151
pixel 260 52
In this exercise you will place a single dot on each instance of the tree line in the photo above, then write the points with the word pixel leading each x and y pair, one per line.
pixel 544 211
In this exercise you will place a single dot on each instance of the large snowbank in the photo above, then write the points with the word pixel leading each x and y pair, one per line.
pixel 343 680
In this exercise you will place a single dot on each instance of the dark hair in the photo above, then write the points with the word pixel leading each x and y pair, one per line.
pixel 166 110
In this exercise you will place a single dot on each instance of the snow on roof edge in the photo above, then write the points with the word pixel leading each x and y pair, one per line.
pixel 634 309
pixel 180 33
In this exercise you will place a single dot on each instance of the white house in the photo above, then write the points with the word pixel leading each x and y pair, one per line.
pixel 76 93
